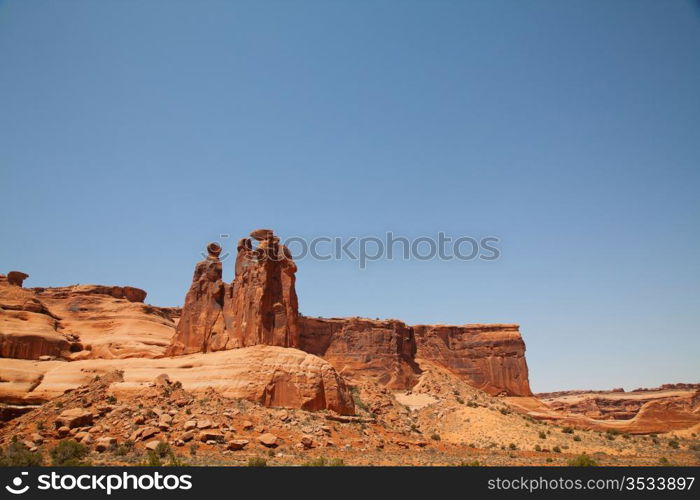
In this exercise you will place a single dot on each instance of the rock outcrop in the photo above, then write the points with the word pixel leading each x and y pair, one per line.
pixel 16 278
pixel 269 375
pixel 490 357
pixel 383 350
pixel 81 321
pixel 259 308
pixel 201 324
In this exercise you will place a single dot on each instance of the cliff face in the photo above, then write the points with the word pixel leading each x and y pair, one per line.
pixel 357 347
pixel 491 357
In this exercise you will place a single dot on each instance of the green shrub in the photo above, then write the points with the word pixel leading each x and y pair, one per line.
pixel 673 443
pixel 577 438
pixel 124 448
pixel 153 460
pixel 543 435
pixel 17 455
pixel 538 447
pixel 357 400
pixel 111 400
pixel 568 430
pixel 582 460
pixel 162 449
pixel 512 446
pixel 663 461
pixel 68 453
pixel 556 449
pixel 435 436
pixel 257 462
pixel 475 463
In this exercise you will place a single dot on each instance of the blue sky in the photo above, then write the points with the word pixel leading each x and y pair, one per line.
pixel 131 133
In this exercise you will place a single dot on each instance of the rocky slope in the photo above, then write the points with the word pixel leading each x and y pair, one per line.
pixel 442 421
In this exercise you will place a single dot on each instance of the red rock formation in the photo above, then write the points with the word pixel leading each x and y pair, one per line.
pixel 28 330
pixel 201 323
pixel 271 376
pixel 383 350
pixel 16 278
pixel 258 308
pixel 81 321
pixel 261 305
pixel 490 357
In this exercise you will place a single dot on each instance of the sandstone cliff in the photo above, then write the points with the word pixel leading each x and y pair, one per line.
pixel 357 347
pixel 490 357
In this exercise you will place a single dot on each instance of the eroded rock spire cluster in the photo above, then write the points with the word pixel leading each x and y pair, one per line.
pixel 259 307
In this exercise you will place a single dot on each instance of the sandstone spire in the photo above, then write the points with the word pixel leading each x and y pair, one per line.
pixel 259 307
pixel 202 322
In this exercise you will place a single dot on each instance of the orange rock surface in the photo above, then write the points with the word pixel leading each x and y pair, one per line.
pixel 357 347
pixel 272 376
pixel 80 322
pixel 490 357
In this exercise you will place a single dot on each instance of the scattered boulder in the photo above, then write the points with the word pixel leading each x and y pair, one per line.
pixel 206 436
pixel 105 443
pixel 237 444
pixel 269 440
pixel 75 417
pixel 307 442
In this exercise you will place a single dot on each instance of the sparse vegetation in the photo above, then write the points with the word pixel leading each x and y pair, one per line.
pixel 17 455
pixel 257 462
pixel 542 435
pixel 435 436
pixel 568 430
pixel 323 462
pixel 475 463
pixel 69 453
pixel 673 443
pixel 357 400
pixel 577 438
pixel 583 460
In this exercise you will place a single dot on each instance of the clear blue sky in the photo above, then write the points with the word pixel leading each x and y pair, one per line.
pixel 131 133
